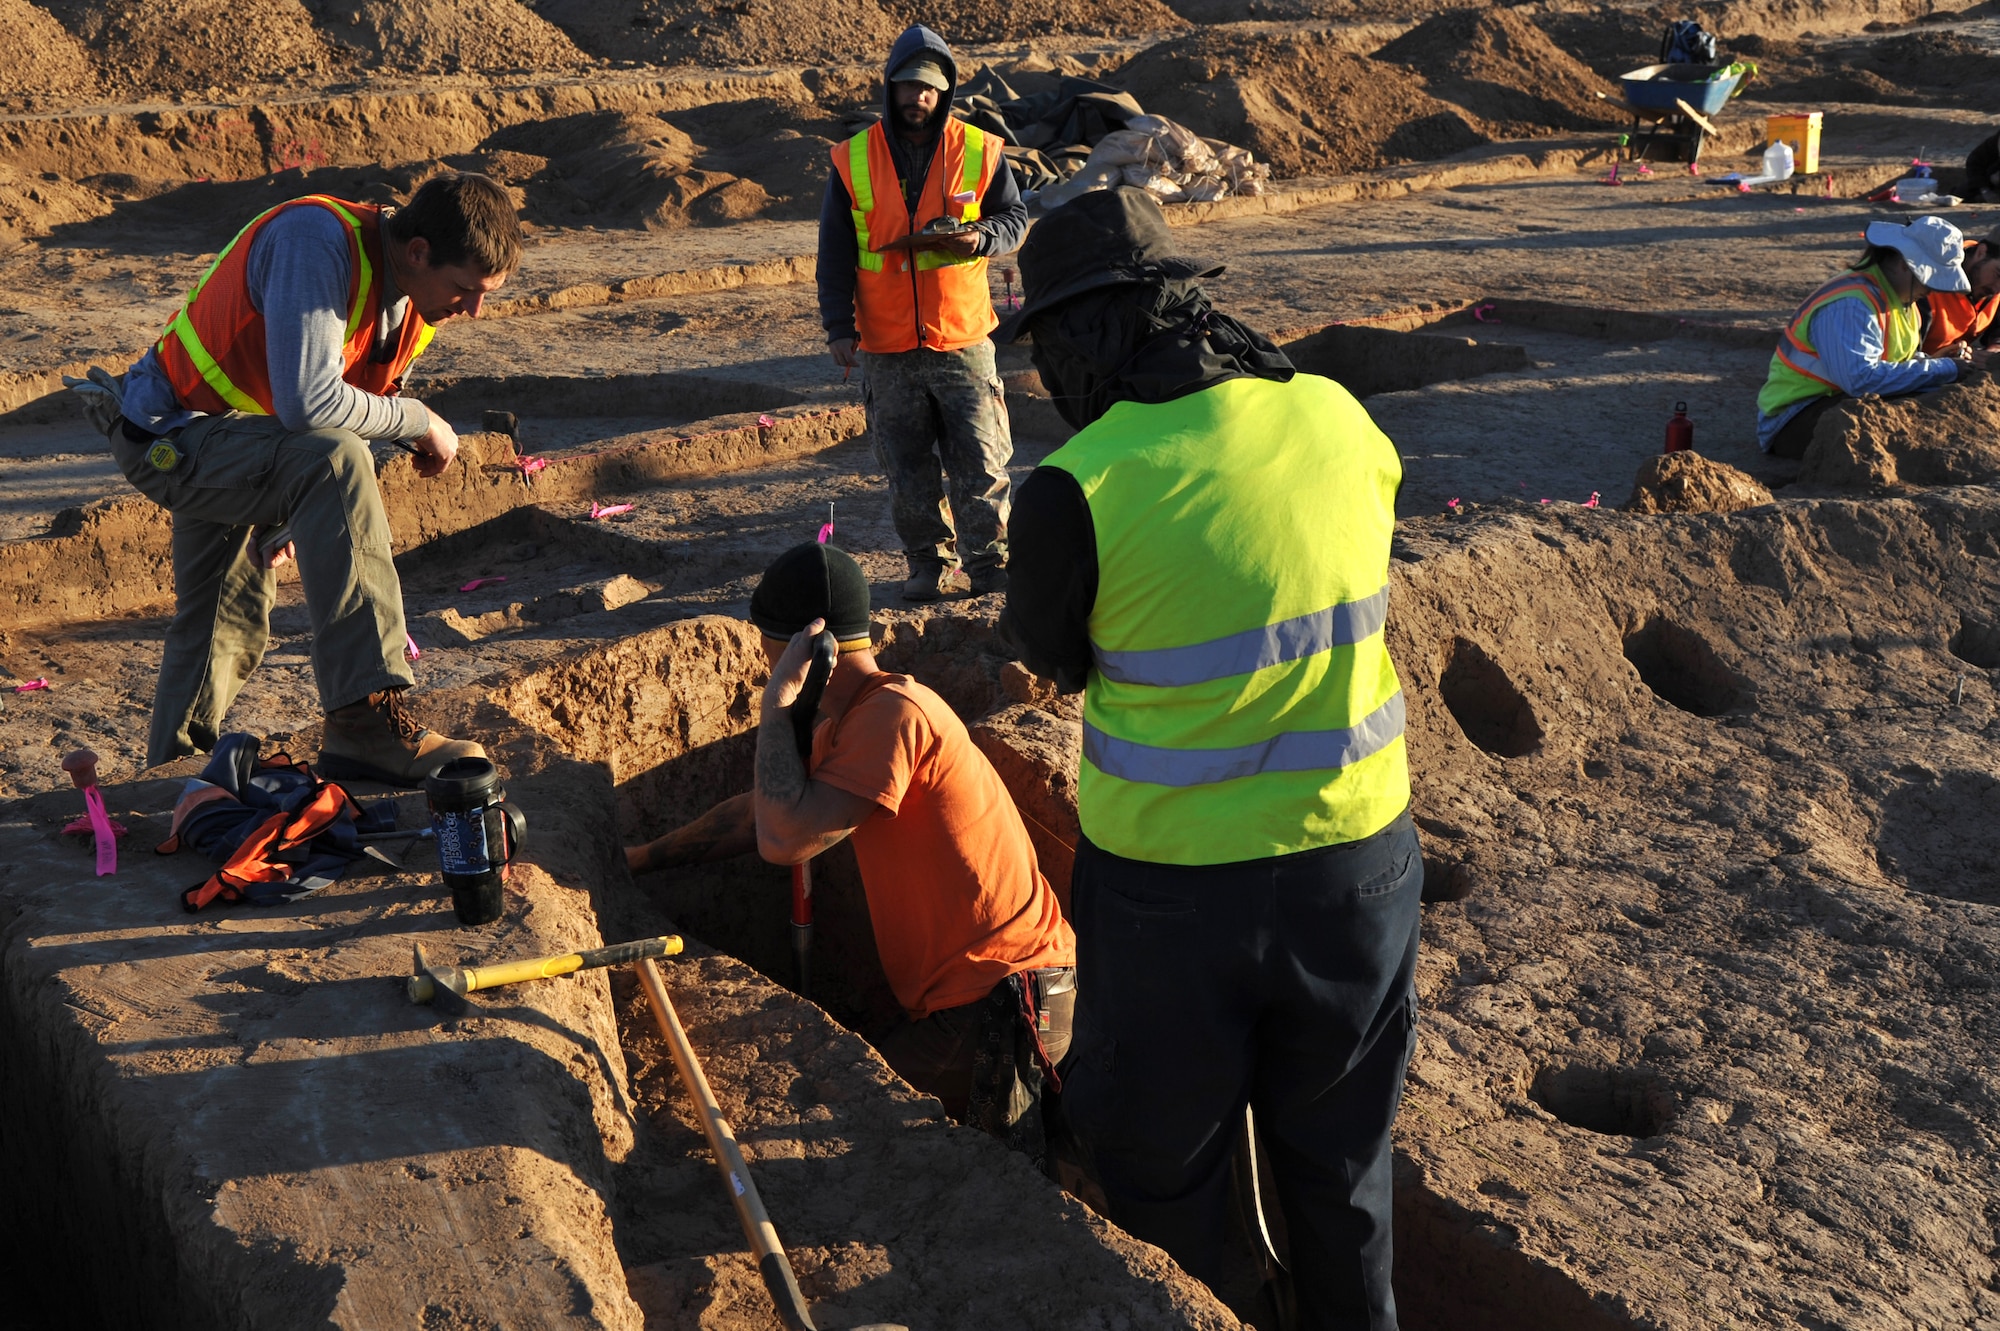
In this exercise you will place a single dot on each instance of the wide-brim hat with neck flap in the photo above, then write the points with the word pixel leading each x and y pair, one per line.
pixel 1106 238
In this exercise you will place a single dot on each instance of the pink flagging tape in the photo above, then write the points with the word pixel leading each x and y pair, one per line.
pixel 31 686
pixel 98 821
pixel 1592 501
pixel 767 422
pixel 477 583
pixel 599 511
pixel 529 466
pixel 826 533
pixel 410 646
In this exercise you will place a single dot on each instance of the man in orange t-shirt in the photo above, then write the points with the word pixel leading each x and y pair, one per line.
pixel 972 939
pixel 1972 317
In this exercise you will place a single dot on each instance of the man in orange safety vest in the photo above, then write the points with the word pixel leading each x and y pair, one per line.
pixel 915 206
pixel 250 421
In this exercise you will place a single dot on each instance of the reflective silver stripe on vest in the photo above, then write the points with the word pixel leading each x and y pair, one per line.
pixel 1299 751
pixel 1340 625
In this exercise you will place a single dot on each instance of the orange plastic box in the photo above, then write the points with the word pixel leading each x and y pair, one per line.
pixel 1802 132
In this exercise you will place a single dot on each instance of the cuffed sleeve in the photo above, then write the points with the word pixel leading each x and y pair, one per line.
pixel 839 253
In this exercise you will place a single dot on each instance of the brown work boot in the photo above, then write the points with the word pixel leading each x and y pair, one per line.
pixel 377 739
pixel 933 582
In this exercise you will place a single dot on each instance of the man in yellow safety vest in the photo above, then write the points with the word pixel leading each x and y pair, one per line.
pixel 915 205
pixel 1208 560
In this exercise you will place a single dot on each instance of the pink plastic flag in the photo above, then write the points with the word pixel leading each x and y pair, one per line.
pixel 98 821
pixel 1592 501
pixel 766 422
pixel 530 465
pixel 31 686
pixel 826 530
pixel 477 583
pixel 410 646
pixel 598 511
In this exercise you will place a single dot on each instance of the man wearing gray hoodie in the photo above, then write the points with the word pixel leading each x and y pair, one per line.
pixel 914 207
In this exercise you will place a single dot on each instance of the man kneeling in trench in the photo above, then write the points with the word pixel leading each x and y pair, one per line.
pixel 972 939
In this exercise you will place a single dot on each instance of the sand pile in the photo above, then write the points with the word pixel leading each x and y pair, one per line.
pixel 1025 20
pixel 635 169
pixel 1950 437
pixel 1687 482
pixel 453 37
pixel 195 45
pixel 1945 67
pixel 1504 70
pixel 1297 100
pixel 727 32
pixel 38 57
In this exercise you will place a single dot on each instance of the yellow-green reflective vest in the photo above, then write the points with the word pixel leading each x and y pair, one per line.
pixel 1242 703
pixel 1794 374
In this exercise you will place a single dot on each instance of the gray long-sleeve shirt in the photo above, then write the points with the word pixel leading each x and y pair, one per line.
pixel 298 275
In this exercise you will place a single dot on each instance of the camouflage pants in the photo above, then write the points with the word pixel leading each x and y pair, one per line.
pixel 939 417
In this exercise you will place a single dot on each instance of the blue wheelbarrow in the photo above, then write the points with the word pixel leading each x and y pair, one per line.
pixel 1675 103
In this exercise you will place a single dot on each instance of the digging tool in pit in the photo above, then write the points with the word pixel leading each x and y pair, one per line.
pixel 772 1263
pixel 447 986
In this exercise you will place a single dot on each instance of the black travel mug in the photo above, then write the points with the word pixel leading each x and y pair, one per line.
pixel 477 833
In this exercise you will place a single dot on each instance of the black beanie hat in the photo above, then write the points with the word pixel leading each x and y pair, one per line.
pixel 808 582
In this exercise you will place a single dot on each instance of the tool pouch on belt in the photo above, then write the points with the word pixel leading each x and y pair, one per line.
pixel 1010 1067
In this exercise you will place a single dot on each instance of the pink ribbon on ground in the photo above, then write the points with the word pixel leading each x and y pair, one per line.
pixel 1592 501
pixel 529 466
pixel 766 422
pixel 598 511
pixel 477 583
pixel 99 823
pixel 410 645
pixel 31 686
pixel 1484 313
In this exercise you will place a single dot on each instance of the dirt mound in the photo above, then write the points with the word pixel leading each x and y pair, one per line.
pixel 1298 101
pixel 454 37
pixel 39 57
pixel 196 45
pixel 1687 482
pixel 1947 67
pixel 639 169
pixel 1950 437
pixel 1504 70
pixel 727 33
pixel 1026 20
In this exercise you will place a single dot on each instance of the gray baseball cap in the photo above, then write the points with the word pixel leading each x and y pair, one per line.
pixel 925 69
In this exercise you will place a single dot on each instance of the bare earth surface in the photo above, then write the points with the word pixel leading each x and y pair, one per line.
pixel 1705 1033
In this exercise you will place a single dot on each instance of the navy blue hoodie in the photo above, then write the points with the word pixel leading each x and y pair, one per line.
pixel 1003 218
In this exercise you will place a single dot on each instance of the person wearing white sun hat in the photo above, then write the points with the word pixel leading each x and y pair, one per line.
pixel 1861 333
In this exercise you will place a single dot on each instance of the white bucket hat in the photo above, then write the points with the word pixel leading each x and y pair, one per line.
pixel 1933 247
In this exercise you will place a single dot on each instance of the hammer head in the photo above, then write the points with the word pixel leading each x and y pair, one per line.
pixel 441 986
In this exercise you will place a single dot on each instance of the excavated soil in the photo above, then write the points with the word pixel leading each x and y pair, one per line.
pixel 1304 102
pixel 1687 482
pixel 1500 68
pixel 1950 437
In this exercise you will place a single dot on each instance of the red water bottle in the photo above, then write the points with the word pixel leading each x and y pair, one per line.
pixel 1680 430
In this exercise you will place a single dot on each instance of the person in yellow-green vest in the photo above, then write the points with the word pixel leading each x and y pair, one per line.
pixel 915 205
pixel 1862 333
pixel 1208 561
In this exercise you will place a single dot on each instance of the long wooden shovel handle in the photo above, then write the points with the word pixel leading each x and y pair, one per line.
pixel 772 1263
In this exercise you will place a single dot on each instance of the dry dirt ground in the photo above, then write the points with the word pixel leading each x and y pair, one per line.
pixel 1704 1039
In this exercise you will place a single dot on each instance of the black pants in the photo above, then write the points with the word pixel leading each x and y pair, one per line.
pixel 1285 982
pixel 1791 439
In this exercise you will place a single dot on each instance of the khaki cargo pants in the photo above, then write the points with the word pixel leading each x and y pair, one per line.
pixel 236 471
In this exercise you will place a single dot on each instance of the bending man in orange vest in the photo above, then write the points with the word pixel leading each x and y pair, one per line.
pixel 915 205
pixel 1971 318
pixel 250 420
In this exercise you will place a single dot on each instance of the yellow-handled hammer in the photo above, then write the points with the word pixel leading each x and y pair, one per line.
pixel 447 986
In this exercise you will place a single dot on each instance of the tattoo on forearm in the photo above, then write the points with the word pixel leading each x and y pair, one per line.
pixel 781 774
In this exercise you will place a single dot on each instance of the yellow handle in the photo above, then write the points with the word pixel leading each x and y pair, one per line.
pixel 513 972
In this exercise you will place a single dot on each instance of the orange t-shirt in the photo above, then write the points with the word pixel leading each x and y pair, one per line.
pixel 1955 316
pixel 954 892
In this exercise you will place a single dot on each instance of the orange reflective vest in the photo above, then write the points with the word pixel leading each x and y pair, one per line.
pixel 213 350
pixel 906 299
pixel 1954 316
